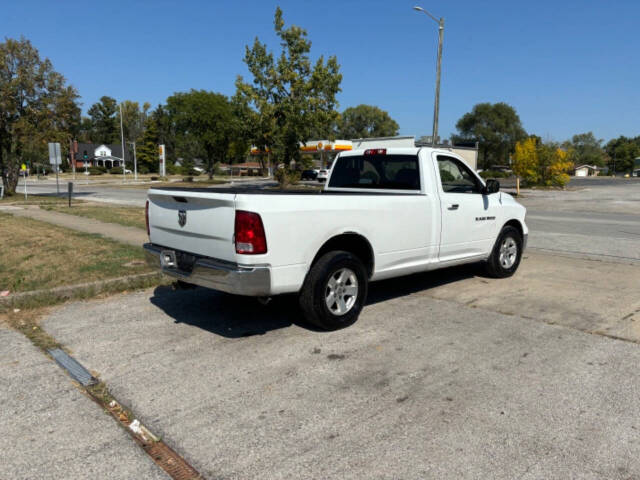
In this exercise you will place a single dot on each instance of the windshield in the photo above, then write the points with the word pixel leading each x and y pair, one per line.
pixel 387 172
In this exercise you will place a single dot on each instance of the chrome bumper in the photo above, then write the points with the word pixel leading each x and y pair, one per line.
pixel 212 273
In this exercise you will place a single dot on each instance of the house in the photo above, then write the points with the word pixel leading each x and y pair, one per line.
pixel 94 155
pixel 586 171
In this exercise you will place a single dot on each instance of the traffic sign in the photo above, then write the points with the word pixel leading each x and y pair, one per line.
pixel 54 154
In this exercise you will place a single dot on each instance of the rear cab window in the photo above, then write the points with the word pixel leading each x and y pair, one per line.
pixel 377 172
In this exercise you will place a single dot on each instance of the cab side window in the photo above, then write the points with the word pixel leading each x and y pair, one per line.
pixel 456 177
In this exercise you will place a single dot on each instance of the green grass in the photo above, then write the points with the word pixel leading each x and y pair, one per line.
pixel 36 255
pixel 18 199
pixel 127 216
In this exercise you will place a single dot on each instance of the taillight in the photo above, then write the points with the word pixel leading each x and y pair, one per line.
pixel 146 216
pixel 249 233
pixel 376 151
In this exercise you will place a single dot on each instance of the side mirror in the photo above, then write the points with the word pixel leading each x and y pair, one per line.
pixel 491 186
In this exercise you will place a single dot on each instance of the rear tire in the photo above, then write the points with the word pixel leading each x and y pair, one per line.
pixel 334 291
pixel 506 254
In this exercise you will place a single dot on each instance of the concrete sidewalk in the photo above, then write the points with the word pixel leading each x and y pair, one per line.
pixel 130 235
pixel 51 430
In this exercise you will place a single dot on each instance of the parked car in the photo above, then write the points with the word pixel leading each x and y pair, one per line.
pixel 383 213
pixel 323 174
pixel 309 175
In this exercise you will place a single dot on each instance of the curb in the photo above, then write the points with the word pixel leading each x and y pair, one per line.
pixel 36 298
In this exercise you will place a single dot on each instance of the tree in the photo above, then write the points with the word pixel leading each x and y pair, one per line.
pixel 496 127
pixel 289 100
pixel 133 119
pixel 147 148
pixel 104 126
pixel 204 124
pixel 525 161
pixel 587 149
pixel 621 152
pixel 366 121
pixel 36 107
pixel 539 163
pixel 166 132
pixel 554 164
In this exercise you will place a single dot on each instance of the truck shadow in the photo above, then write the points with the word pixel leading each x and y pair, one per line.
pixel 402 286
pixel 232 316
pixel 226 315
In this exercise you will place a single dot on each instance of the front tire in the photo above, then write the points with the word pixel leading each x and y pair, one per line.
pixel 334 291
pixel 506 254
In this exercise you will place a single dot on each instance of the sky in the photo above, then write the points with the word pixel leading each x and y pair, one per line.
pixel 567 66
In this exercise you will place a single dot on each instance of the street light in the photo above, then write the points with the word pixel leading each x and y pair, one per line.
pixel 436 106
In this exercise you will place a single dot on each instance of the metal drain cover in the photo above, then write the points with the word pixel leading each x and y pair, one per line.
pixel 73 368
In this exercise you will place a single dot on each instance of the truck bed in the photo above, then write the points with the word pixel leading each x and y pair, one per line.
pixel 260 191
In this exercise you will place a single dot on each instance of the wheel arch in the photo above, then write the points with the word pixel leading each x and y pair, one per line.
pixel 515 223
pixel 353 243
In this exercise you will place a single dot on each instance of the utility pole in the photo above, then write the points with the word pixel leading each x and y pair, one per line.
pixel 436 105
pixel 124 168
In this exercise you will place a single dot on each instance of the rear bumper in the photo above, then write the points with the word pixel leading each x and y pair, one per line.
pixel 216 274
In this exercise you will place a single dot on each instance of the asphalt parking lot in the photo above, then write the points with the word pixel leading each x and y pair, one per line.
pixel 447 374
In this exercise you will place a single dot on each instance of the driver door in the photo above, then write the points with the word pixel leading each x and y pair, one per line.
pixel 468 216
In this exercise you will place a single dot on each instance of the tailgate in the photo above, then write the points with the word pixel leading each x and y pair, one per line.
pixel 194 222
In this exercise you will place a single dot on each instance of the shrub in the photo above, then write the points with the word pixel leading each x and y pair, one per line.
pixel 96 170
pixel 286 177
pixel 189 171
pixel 116 171
pixel 188 179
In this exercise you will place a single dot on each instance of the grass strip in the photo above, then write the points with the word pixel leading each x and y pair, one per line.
pixel 127 216
pixel 36 255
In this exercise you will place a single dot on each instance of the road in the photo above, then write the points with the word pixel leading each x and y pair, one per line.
pixel 600 219
pixel 117 193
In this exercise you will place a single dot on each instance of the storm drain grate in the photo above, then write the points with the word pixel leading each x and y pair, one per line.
pixel 163 455
pixel 171 462
pixel 73 368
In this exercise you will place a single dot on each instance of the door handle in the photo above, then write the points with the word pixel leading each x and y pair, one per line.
pixel 453 206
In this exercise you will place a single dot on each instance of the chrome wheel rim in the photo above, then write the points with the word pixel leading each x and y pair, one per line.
pixel 341 292
pixel 508 252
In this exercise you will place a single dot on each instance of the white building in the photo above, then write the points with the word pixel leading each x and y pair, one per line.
pixel 103 155
pixel 586 171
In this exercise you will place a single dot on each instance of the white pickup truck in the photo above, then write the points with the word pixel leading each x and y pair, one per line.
pixel 383 213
